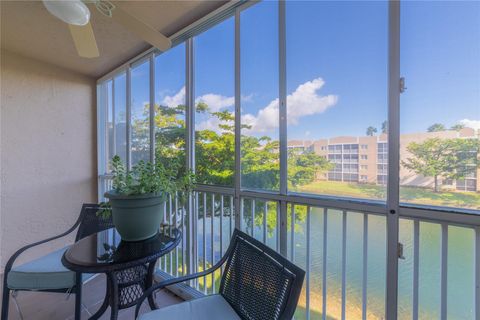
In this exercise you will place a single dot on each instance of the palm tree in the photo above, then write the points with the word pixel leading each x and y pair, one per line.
pixel 371 131
pixel 385 127
pixel 436 127
pixel 457 127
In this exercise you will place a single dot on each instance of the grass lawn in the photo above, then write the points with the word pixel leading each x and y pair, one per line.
pixel 470 200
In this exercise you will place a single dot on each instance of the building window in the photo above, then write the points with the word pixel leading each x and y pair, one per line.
pixel 364 167
pixel 382 158
pixel 363 157
pixel 382 179
pixel 448 182
pixel 382 147
pixel 382 169
pixel 466 185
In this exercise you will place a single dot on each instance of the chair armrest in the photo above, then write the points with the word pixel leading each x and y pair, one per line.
pixel 169 282
pixel 12 259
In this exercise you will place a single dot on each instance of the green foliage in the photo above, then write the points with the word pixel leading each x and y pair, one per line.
pixel 436 127
pixel 145 178
pixel 302 168
pixel 446 158
pixel 457 127
pixel 385 127
pixel 260 163
pixel 214 151
pixel 371 131
pixel 215 155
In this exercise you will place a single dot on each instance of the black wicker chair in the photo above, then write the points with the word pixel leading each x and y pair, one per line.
pixel 88 223
pixel 257 284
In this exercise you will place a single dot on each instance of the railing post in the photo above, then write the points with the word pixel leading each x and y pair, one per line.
pixel 238 114
pixel 393 184
pixel 152 107
pixel 128 125
pixel 190 154
pixel 416 263
pixel 477 273
pixel 365 266
pixel 344 263
pixel 324 264
pixel 283 228
pixel 308 262
pixel 282 92
pixel 101 122
pixel 444 272
pixel 114 121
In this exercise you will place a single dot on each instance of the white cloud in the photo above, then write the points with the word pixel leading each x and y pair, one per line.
pixel 216 102
pixel 247 98
pixel 474 124
pixel 175 100
pixel 304 101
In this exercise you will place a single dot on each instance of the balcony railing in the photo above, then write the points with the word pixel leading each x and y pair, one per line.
pixel 343 252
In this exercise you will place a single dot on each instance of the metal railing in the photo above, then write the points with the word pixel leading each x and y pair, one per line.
pixel 212 225
pixel 342 249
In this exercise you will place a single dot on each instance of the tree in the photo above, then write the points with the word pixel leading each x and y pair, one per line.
pixel 385 127
pixel 446 158
pixel 371 131
pixel 457 127
pixel 303 168
pixel 215 161
pixel 436 127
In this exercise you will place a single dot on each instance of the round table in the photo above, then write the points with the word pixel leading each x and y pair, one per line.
pixel 129 266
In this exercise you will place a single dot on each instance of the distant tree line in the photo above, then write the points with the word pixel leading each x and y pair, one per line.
pixel 371 130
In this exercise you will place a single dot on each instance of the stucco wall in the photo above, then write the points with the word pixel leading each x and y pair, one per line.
pixel 48 151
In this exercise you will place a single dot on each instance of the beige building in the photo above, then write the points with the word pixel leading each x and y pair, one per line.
pixel 365 159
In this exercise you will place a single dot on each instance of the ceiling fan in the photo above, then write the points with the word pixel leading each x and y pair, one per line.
pixel 77 15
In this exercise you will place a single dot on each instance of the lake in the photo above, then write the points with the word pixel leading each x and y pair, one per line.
pixel 460 275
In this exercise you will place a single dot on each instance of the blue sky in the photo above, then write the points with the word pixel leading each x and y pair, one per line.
pixel 336 67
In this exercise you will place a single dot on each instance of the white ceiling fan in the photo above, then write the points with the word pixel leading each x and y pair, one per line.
pixel 77 15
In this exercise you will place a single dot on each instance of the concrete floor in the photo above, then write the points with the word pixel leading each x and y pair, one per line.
pixel 55 306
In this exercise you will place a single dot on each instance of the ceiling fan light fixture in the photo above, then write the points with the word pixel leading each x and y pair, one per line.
pixel 70 11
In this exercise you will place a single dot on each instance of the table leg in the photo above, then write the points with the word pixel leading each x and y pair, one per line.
pixel 104 305
pixel 149 283
pixel 113 296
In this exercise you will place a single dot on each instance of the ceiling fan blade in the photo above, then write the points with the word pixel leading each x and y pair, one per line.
pixel 141 29
pixel 84 40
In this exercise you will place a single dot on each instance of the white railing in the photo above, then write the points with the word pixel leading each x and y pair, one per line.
pixel 342 250
pixel 212 225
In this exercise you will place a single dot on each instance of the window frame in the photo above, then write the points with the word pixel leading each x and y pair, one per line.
pixel 405 209
pixel 392 208
pixel 465 215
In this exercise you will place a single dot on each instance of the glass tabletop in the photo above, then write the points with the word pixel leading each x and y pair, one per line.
pixel 105 251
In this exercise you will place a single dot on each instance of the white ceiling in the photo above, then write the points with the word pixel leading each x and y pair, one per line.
pixel 27 28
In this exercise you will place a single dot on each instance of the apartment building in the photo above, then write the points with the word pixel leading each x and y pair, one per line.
pixel 364 159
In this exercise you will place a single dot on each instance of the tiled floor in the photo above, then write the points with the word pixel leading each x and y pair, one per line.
pixel 55 306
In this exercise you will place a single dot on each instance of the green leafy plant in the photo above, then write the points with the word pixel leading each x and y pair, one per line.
pixel 446 158
pixel 148 178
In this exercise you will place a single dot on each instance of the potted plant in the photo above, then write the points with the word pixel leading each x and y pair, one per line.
pixel 137 199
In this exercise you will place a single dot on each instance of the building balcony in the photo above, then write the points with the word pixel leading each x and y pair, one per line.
pixel 336 133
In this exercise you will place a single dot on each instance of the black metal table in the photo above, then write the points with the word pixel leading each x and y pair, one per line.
pixel 129 266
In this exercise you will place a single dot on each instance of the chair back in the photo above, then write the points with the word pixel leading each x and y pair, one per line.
pixel 258 282
pixel 90 222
